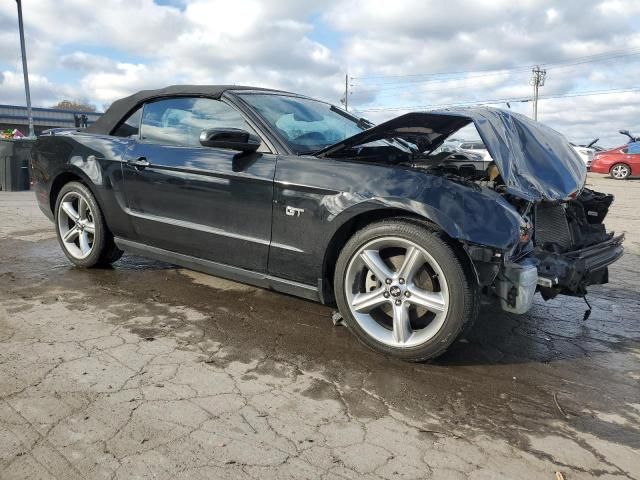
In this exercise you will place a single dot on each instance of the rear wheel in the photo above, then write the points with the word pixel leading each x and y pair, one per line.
pixel 620 171
pixel 403 291
pixel 82 232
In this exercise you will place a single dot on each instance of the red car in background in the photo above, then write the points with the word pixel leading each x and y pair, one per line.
pixel 621 162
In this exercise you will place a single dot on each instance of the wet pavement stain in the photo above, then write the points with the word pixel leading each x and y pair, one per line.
pixel 521 396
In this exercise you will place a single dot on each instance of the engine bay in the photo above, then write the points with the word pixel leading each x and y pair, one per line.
pixel 455 165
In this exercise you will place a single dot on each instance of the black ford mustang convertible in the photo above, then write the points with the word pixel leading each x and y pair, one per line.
pixel 293 194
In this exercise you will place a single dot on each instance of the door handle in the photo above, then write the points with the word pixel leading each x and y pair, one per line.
pixel 140 163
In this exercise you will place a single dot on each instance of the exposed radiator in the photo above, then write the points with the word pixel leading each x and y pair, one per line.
pixel 551 226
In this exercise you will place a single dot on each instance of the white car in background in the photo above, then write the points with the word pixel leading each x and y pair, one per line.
pixel 586 152
pixel 475 147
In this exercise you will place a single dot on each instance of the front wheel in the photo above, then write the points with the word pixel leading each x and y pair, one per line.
pixel 403 291
pixel 620 171
pixel 82 232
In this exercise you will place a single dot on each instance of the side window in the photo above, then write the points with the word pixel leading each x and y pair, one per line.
pixel 179 121
pixel 634 148
pixel 131 126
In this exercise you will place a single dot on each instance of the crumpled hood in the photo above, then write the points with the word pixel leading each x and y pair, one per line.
pixel 536 162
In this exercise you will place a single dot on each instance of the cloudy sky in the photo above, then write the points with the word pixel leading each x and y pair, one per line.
pixel 399 54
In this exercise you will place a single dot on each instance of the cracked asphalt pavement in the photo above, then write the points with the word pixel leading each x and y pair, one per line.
pixel 150 371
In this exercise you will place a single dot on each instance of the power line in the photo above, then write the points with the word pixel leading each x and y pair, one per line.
pixel 572 61
pixel 502 100
pixel 400 85
pixel 461 83
pixel 537 81
pixel 459 72
pixel 404 85
pixel 458 86
pixel 551 65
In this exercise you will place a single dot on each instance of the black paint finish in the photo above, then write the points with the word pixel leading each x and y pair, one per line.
pixel 206 202
pixel 227 211
pixel 333 192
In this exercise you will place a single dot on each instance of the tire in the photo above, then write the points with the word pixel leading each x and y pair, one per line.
pixel 414 318
pixel 620 171
pixel 81 230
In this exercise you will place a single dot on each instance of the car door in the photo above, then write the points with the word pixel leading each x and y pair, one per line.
pixel 206 202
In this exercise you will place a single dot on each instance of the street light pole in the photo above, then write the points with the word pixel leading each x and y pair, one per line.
pixel 25 71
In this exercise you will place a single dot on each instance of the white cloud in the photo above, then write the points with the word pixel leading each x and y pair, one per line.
pixel 428 36
pixel 43 92
pixel 87 62
pixel 125 79
pixel 105 50
pixel 206 42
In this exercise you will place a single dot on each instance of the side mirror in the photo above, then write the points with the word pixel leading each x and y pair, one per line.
pixel 625 132
pixel 229 138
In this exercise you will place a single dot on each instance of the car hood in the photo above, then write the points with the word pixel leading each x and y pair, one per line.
pixel 536 162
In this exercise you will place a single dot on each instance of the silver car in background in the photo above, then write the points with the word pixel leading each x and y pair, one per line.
pixel 475 147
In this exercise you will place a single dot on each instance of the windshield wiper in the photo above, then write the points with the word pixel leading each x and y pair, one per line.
pixel 362 123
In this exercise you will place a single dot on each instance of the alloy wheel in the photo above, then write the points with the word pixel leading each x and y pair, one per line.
pixel 620 172
pixel 397 292
pixel 76 225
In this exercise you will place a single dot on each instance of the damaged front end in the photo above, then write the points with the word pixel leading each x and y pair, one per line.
pixel 572 247
pixel 569 250
pixel 563 245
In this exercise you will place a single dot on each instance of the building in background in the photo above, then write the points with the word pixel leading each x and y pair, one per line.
pixel 15 116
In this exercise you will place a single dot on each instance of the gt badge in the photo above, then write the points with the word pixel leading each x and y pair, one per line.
pixel 293 212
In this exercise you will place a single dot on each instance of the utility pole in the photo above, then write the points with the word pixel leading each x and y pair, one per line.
pixel 537 80
pixel 346 91
pixel 25 71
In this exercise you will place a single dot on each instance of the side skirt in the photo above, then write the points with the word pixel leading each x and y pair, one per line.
pixel 241 275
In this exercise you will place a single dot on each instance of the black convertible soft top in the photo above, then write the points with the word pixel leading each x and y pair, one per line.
pixel 120 108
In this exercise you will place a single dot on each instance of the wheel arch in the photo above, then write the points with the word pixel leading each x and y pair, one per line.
pixel 64 177
pixel 107 250
pixel 349 227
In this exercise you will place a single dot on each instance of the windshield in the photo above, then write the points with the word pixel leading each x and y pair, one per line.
pixel 307 125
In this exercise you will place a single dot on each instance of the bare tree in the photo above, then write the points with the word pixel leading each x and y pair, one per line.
pixel 75 105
